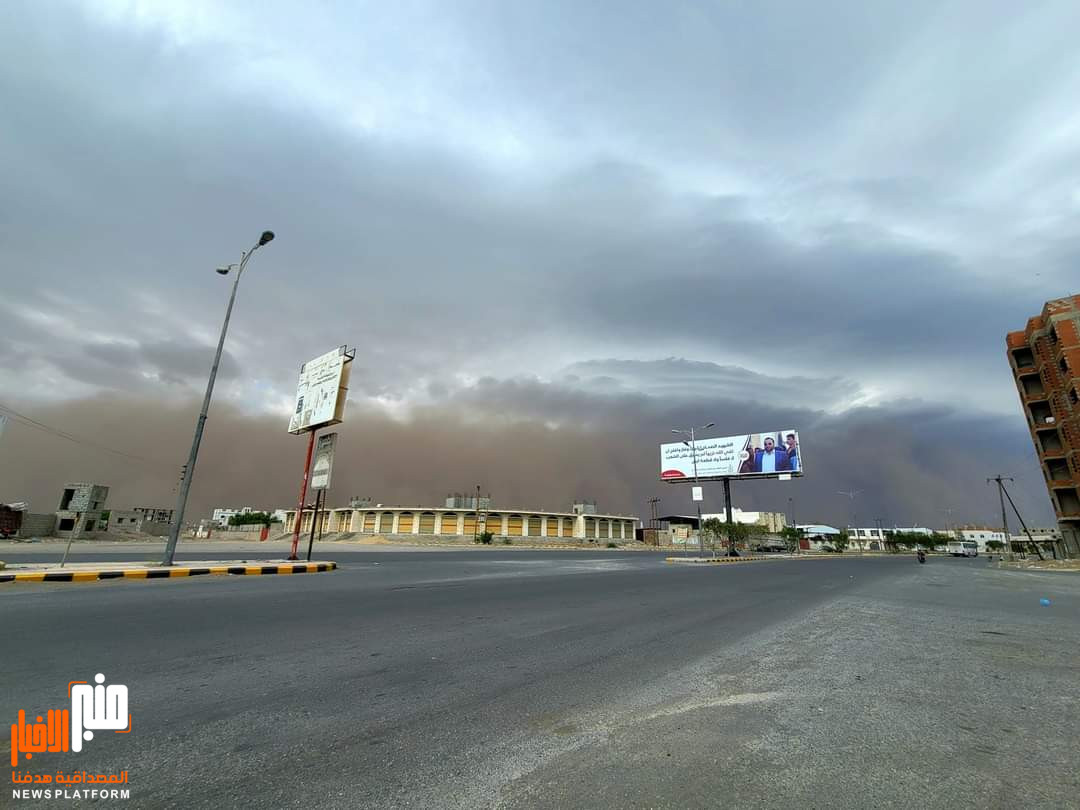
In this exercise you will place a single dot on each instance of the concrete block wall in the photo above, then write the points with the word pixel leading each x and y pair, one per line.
pixel 36 525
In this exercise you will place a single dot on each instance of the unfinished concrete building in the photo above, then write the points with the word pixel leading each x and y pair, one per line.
pixel 80 510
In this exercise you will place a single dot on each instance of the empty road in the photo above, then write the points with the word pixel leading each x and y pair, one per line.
pixel 549 679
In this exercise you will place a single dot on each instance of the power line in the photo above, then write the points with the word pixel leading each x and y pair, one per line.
pixel 23 419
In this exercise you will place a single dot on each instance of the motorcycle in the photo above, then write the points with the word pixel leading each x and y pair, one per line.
pixel 921 555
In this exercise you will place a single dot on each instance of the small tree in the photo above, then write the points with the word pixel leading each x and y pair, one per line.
pixel 739 532
pixel 840 541
pixel 713 529
pixel 250 518
pixel 790 535
pixel 994 545
pixel 485 538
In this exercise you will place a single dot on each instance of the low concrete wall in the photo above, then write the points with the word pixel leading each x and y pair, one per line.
pixel 37 525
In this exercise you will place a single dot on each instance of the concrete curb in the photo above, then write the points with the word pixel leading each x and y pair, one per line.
pixel 713 560
pixel 722 560
pixel 166 573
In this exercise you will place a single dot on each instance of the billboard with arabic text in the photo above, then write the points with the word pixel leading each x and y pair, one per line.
pixel 321 391
pixel 769 454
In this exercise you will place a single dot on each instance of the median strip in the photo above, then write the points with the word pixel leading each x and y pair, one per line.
pixel 85 573
pixel 724 560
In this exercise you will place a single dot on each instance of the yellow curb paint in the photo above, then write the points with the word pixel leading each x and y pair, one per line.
pixel 142 573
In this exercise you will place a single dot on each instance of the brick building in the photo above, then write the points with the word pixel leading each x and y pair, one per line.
pixel 1045 360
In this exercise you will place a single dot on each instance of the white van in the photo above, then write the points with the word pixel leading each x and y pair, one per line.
pixel 963 548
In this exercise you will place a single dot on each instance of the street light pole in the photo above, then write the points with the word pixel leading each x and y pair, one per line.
pixel 693 456
pixel 193 455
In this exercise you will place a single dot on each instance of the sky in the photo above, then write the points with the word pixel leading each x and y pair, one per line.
pixel 552 231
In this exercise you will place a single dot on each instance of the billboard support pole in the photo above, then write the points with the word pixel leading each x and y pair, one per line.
pixel 476 522
pixel 315 519
pixel 303 495
pixel 727 514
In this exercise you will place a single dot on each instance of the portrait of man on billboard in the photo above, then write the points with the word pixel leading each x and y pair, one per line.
pixel 770 459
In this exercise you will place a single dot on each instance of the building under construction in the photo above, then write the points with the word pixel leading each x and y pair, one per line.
pixel 1045 361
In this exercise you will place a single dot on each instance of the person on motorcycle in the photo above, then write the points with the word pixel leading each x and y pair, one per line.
pixel 920 555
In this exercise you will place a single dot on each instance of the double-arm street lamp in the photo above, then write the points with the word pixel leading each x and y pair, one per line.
pixel 692 444
pixel 189 469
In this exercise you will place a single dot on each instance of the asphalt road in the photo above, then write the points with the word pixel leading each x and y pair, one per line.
pixel 547 679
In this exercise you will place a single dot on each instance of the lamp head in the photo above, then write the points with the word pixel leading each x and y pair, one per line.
pixel 224 271
pixel 267 236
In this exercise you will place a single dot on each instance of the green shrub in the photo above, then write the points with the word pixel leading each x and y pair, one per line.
pixel 507 541
pixel 612 545
pixel 485 538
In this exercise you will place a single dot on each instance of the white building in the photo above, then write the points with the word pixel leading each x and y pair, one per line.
pixel 815 536
pixel 426 520
pixel 221 516
pixel 981 535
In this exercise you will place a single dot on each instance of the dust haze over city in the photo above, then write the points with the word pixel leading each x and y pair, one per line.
pixel 566 255
pixel 548 229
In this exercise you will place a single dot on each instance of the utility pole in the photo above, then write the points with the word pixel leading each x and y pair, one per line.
pixel 1023 525
pixel 998 479
pixel 851 493
pixel 692 444
pixel 654 520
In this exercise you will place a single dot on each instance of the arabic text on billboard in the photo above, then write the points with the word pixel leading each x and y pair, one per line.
pixel 776 452
pixel 323 465
pixel 319 393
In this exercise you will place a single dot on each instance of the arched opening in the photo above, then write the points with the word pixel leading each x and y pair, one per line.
pixel 427 523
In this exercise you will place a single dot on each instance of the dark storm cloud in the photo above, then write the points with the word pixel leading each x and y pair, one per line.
pixel 912 462
pixel 689 380
pixel 819 207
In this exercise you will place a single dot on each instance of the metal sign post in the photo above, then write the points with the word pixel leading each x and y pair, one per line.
pixel 303 496
pixel 320 500
pixel 320 402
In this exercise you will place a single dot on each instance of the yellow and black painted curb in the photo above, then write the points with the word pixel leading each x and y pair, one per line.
pixel 713 560
pixel 168 573
pixel 722 560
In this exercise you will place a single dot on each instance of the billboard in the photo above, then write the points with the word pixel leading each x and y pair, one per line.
pixel 323 465
pixel 320 393
pixel 749 455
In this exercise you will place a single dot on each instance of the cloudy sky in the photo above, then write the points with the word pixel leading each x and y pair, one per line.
pixel 552 231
